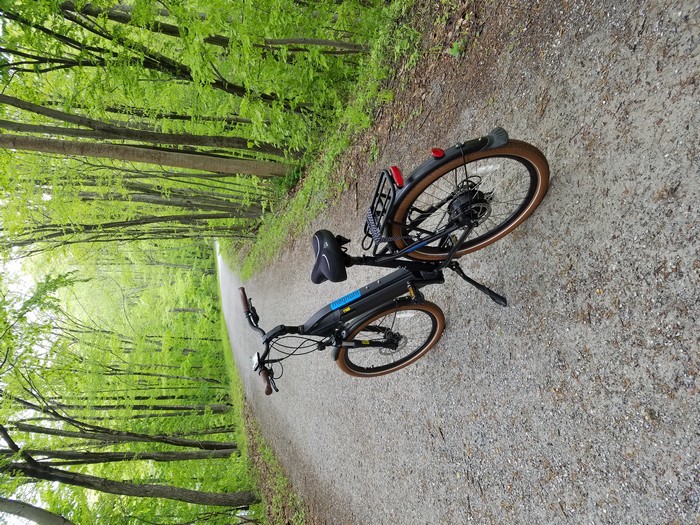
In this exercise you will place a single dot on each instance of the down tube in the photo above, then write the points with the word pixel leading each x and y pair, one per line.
pixel 359 302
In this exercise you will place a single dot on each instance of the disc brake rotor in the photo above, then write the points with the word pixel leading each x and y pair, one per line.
pixel 393 337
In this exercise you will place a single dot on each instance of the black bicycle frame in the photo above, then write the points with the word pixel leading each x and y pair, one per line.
pixel 367 299
pixel 410 277
pixel 361 302
pixel 338 319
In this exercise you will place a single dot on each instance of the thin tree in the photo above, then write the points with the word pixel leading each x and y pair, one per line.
pixel 32 513
pixel 29 467
pixel 159 156
pixel 90 56
pixel 101 433
pixel 107 130
pixel 73 457
pixel 122 17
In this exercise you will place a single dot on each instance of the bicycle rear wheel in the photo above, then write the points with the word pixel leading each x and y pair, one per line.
pixel 491 191
pixel 400 335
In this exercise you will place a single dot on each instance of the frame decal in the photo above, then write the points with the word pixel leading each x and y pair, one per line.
pixel 339 303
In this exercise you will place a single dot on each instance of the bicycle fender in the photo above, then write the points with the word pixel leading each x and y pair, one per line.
pixel 353 324
pixel 497 138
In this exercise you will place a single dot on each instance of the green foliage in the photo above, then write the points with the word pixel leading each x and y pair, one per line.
pixel 275 74
pixel 130 327
pixel 280 503
pixel 23 318
pixel 293 52
pixel 135 340
pixel 325 178
pixel 457 48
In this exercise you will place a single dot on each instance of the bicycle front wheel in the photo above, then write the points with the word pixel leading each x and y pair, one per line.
pixel 391 339
pixel 491 192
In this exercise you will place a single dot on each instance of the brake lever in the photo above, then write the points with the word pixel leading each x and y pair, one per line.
pixel 254 313
pixel 271 379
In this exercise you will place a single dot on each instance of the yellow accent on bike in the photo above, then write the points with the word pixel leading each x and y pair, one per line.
pixel 346 310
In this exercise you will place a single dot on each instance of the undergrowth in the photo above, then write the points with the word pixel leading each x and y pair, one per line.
pixel 317 186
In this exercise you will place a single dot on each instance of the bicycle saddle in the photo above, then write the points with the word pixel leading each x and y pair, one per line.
pixel 330 258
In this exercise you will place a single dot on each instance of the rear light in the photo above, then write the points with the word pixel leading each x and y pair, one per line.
pixel 438 153
pixel 398 178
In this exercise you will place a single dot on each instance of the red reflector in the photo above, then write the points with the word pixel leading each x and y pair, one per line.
pixel 398 178
pixel 438 153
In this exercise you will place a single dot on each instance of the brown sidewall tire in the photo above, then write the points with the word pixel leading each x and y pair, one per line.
pixel 431 308
pixel 513 149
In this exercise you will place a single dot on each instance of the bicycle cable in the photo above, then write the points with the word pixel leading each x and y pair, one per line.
pixel 289 350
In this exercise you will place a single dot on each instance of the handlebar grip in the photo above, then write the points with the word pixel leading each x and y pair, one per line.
pixel 244 300
pixel 265 374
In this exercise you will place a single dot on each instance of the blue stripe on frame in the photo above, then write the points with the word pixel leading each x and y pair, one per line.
pixel 338 303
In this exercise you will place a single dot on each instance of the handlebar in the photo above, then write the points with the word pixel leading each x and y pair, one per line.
pixel 261 363
pixel 267 379
pixel 258 362
pixel 244 300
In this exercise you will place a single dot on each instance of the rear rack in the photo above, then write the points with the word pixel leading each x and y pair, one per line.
pixel 376 223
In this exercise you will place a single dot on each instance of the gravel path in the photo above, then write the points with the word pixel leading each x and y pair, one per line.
pixel 579 402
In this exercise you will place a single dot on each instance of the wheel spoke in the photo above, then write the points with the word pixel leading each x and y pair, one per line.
pixel 408 332
pixel 487 195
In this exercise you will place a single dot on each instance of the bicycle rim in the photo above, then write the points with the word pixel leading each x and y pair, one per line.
pixel 411 330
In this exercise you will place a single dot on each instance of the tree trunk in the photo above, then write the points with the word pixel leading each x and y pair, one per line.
pixel 132 111
pixel 197 201
pixel 355 48
pixel 71 457
pixel 100 57
pixel 122 17
pixel 234 499
pixel 160 157
pixel 105 434
pixel 113 132
pixel 56 232
pixel 32 513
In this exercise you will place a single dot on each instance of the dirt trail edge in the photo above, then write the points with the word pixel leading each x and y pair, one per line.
pixel 578 403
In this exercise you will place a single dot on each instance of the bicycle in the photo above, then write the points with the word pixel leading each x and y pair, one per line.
pixel 458 201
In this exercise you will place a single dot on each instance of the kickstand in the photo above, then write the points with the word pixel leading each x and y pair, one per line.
pixel 455 267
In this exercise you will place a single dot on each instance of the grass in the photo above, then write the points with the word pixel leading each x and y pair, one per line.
pixel 323 180
pixel 281 504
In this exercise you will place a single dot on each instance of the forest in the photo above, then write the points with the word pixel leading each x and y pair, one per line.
pixel 133 135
